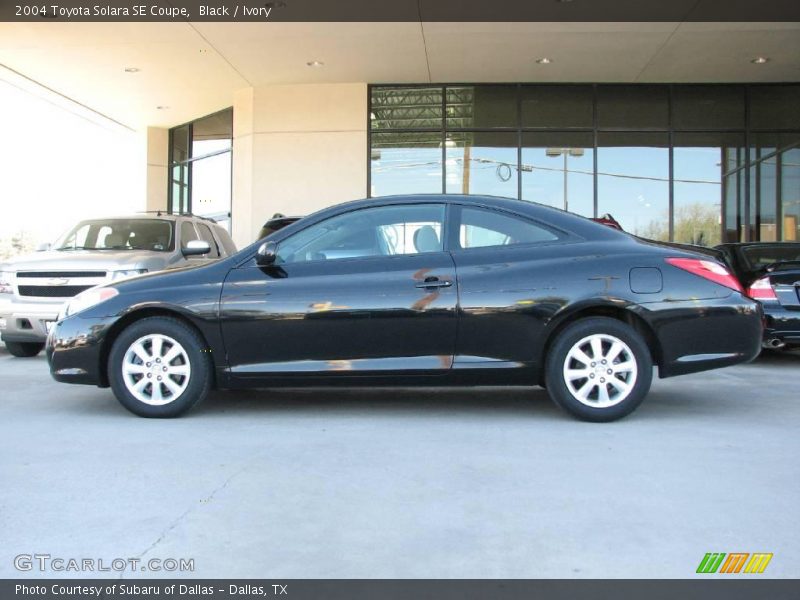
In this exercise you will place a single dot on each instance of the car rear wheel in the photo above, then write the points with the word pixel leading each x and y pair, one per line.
pixel 599 369
pixel 24 349
pixel 159 367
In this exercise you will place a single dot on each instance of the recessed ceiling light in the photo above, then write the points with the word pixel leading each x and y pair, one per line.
pixel 131 69
pixel 760 60
pixel 544 61
pixel 315 63
pixel 162 107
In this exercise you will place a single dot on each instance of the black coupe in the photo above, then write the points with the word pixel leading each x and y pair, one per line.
pixel 415 290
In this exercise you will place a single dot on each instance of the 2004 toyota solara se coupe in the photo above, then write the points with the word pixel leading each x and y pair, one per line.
pixel 415 290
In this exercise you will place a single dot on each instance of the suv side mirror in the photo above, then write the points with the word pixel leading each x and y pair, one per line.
pixel 267 253
pixel 196 248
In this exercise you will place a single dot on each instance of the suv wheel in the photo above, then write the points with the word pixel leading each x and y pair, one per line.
pixel 158 367
pixel 24 349
pixel 599 369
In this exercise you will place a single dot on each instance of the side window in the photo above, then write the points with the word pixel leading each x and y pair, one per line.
pixel 381 231
pixel 205 233
pixel 484 228
pixel 187 233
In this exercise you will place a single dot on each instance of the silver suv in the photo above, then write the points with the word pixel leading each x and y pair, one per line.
pixel 33 288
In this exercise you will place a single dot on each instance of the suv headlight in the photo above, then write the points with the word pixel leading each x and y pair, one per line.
pixel 5 283
pixel 117 275
pixel 87 299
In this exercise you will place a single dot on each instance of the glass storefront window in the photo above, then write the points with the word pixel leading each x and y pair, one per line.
pixel 481 163
pixel 481 107
pixel 708 107
pixel 632 107
pixel 633 182
pixel 558 170
pixel 790 194
pixel 415 107
pixel 200 167
pixel 557 106
pixel 602 148
pixel 406 163
pixel 698 166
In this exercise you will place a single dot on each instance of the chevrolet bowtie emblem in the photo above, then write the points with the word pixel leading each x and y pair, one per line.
pixel 57 281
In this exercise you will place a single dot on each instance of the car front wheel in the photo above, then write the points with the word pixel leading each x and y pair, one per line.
pixel 159 367
pixel 24 349
pixel 599 369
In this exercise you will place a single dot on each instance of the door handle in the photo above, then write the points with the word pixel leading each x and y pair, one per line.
pixel 434 282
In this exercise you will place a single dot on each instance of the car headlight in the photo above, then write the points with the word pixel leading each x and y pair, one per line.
pixel 89 298
pixel 5 283
pixel 117 275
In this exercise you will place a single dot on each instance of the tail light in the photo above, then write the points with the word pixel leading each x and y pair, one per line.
pixel 761 290
pixel 707 269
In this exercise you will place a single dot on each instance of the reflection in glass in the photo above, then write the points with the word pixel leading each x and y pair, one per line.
pixel 767 199
pixel 180 188
pixel 211 186
pixel 557 106
pixel 698 164
pixel 212 133
pixel 406 108
pixel 406 163
pixel 790 194
pixel 558 170
pixel 481 163
pixel 633 182
pixel 481 106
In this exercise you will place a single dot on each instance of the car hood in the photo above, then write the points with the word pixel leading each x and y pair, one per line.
pixel 90 260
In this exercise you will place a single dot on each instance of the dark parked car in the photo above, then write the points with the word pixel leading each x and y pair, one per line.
pixel 417 290
pixel 276 223
pixel 770 273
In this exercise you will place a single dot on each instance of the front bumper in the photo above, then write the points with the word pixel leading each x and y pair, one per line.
pixel 74 350
pixel 27 322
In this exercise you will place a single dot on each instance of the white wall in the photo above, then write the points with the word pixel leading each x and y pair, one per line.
pixel 296 149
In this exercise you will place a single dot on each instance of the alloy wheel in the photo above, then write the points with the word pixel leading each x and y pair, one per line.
pixel 156 369
pixel 600 371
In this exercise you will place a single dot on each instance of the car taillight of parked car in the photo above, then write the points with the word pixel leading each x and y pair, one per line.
pixel 761 290
pixel 708 270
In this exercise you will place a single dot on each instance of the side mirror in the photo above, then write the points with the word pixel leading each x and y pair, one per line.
pixel 43 247
pixel 267 253
pixel 196 248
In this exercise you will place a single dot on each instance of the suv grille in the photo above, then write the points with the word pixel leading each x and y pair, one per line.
pixel 44 274
pixel 52 291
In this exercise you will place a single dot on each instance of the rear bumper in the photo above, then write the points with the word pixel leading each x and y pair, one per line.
pixel 701 335
pixel 782 324
pixel 27 322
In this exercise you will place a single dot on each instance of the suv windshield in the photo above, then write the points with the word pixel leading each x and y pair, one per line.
pixel 120 234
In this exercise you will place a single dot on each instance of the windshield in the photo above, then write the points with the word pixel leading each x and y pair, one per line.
pixel 120 234
pixel 757 257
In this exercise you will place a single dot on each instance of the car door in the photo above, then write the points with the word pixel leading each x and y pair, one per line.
pixel 367 292
pixel 505 273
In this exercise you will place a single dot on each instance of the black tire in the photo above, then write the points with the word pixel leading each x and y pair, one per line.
pixel 591 408
pixel 24 349
pixel 195 350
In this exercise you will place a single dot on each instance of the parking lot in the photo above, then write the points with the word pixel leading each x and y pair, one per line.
pixel 405 483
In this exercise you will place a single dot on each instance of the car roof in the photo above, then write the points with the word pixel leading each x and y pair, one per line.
pixel 151 215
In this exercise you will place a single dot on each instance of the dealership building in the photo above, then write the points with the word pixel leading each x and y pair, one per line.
pixel 683 131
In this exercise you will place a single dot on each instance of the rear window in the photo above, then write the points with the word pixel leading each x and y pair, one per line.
pixel 761 256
